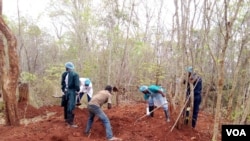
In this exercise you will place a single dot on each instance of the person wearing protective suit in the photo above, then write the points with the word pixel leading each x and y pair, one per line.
pixel 196 81
pixel 85 87
pixel 94 108
pixel 70 85
pixel 155 96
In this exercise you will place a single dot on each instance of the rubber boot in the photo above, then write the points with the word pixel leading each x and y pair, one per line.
pixel 186 119
pixel 151 108
pixel 167 115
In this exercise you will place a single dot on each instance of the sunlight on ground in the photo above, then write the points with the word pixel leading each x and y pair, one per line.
pixel 27 121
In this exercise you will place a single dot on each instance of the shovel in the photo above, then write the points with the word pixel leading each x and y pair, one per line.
pixel 57 96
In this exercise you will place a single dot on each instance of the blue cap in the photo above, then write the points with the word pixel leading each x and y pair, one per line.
pixel 87 82
pixel 69 65
pixel 189 69
pixel 143 88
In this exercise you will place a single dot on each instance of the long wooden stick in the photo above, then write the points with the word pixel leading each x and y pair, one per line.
pixel 180 113
pixel 184 106
pixel 149 113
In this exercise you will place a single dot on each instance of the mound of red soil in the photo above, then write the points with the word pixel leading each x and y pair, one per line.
pixel 51 126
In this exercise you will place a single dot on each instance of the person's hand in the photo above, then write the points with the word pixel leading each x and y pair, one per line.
pixel 184 81
pixel 109 106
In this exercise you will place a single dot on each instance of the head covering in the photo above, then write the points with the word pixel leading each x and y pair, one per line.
pixel 189 69
pixel 87 82
pixel 143 88
pixel 108 88
pixel 69 65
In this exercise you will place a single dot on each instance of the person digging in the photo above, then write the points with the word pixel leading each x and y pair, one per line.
pixel 154 95
pixel 94 108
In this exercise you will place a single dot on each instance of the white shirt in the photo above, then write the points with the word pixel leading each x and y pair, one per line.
pixel 66 80
pixel 86 89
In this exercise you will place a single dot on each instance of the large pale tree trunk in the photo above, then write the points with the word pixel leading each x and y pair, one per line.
pixel 221 64
pixel 218 102
pixel 9 71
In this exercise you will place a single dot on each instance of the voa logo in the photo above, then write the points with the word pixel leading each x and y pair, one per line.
pixel 236 132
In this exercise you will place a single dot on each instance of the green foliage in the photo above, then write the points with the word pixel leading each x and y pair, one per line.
pixel 34 30
pixel 236 114
pixel 248 119
pixel 146 69
pixel 86 15
pixel 28 77
pixel 54 72
pixel 42 94
pixel 42 89
pixel 89 67
pixel 139 48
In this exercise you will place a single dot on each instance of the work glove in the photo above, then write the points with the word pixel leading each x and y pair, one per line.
pixel 165 101
pixel 147 111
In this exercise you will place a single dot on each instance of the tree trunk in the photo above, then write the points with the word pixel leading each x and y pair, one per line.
pixel 246 111
pixel 243 93
pixel 234 83
pixel 191 104
pixel 23 92
pixel 218 102
pixel 221 66
pixel 124 60
pixel 10 72
pixel 205 98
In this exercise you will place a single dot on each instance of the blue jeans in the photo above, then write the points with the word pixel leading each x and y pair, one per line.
pixel 95 110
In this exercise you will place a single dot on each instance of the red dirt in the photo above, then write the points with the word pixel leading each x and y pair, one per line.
pixel 122 118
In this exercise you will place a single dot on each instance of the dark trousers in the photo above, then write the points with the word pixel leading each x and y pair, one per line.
pixel 197 102
pixel 64 105
pixel 65 112
pixel 70 106
pixel 79 97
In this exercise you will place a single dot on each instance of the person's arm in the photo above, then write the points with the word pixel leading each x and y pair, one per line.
pixel 109 106
pixel 193 78
pixel 81 87
pixel 77 82
pixel 109 102
pixel 90 91
pixel 159 91
pixel 146 97
pixel 63 84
